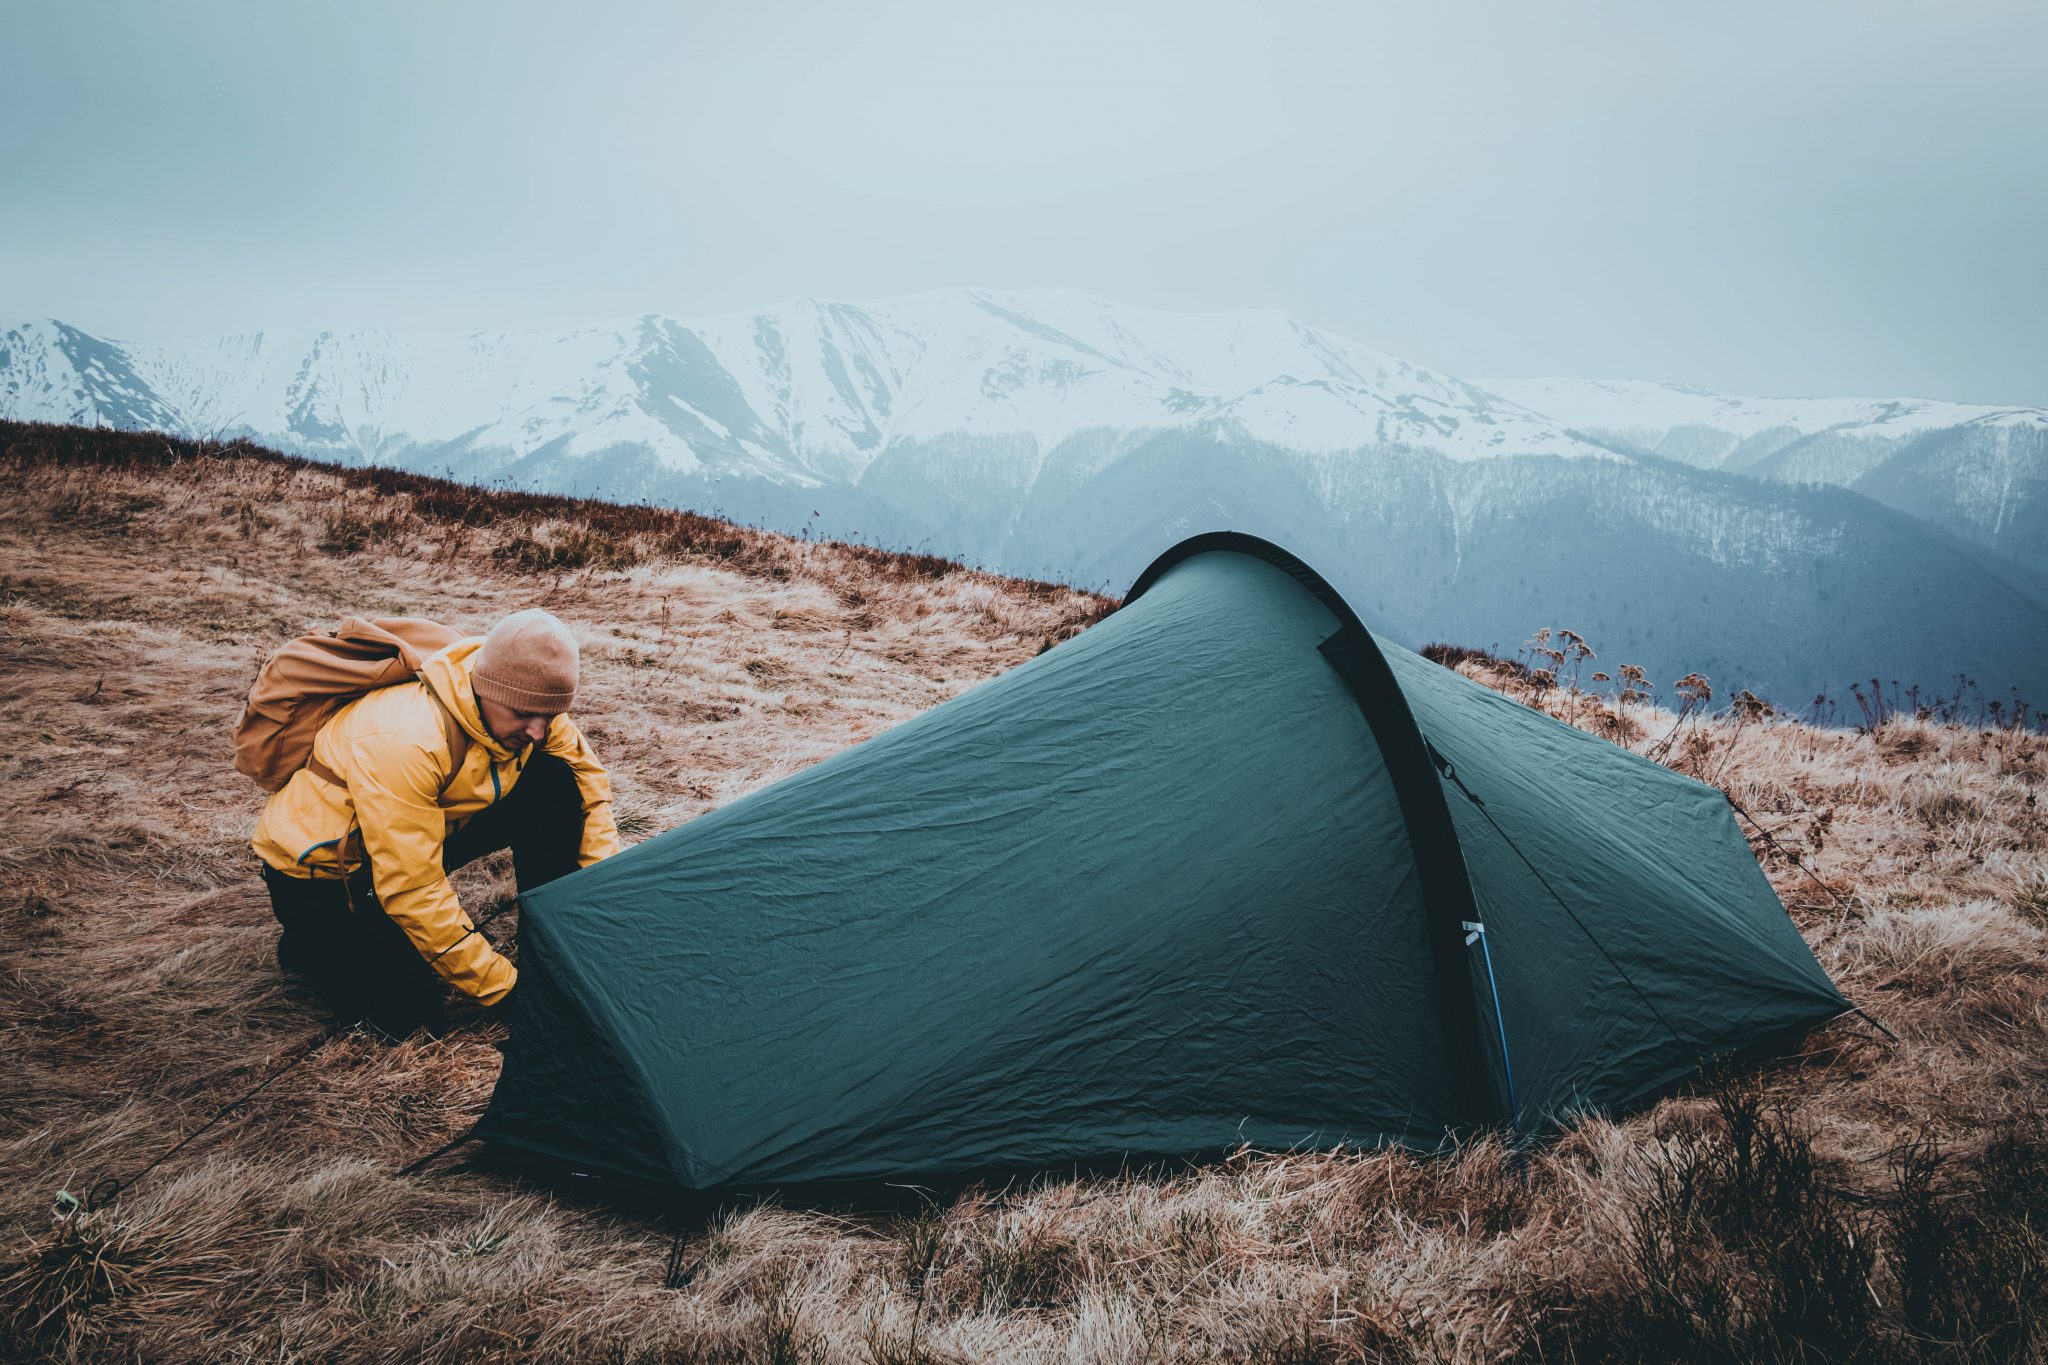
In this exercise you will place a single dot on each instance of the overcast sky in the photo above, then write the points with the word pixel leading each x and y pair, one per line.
pixel 1780 198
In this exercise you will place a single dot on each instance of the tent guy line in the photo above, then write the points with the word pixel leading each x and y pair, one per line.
pixel 107 1190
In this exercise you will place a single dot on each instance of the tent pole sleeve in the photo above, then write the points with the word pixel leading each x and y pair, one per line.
pixel 1439 858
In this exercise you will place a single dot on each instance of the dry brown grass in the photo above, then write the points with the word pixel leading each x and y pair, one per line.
pixel 1858 1201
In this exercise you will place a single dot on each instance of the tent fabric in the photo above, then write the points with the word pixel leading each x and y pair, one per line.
pixel 1632 931
pixel 1197 877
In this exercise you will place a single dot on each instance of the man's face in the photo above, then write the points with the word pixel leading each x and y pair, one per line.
pixel 514 729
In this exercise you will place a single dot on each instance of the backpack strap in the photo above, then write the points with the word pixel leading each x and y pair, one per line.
pixel 458 748
pixel 458 739
pixel 323 772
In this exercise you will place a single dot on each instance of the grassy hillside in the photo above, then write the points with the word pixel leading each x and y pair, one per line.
pixel 1861 1200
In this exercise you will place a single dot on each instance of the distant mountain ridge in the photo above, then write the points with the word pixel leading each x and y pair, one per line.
pixel 1980 471
pixel 1055 434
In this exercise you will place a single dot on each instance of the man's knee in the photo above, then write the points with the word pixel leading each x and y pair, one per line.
pixel 310 918
pixel 357 958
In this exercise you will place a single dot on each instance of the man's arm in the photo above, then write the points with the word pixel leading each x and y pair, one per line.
pixel 600 830
pixel 396 783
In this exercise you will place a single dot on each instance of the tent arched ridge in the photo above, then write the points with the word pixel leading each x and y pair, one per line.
pixel 1433 836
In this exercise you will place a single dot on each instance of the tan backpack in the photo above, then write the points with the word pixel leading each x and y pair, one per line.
pixel 302 685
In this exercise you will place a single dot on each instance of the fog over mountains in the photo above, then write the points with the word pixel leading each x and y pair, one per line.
pixel 1787 545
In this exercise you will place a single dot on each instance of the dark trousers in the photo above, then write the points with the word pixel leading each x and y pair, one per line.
pixel 337 933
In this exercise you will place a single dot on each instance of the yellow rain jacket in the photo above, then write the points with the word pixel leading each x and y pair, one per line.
pixel 390 748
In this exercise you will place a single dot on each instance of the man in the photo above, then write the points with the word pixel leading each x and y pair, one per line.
pixel 408 783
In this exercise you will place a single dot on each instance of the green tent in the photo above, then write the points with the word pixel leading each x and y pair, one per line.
pixel 1224 868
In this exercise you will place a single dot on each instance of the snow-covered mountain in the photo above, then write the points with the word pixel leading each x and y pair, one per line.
pixel 806 393
pixel 1052 433
pixel 1979 471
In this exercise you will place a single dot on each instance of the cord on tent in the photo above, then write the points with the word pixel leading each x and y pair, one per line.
pixel 414 1168
pixel 1793 858
pixel 111 1188
pixel 676 1275
pixel 1790 856
pixel 1450 772
pixel 1475 932
pixel 108 1190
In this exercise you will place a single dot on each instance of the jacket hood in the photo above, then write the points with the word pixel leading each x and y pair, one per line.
pixel 447 674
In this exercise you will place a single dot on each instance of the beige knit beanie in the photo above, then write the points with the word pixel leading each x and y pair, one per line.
pixel 528 662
